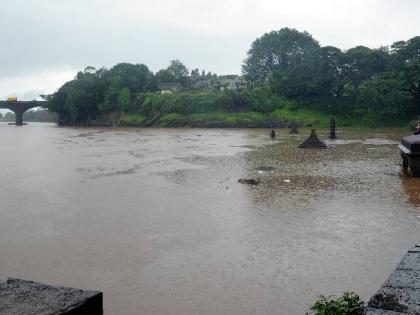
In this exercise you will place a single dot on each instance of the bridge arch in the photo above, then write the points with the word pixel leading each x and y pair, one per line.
pixel 19 107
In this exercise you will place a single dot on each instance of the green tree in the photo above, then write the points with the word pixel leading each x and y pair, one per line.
pixel 124 100
pixel 362 63
pixel 385 94
pixel 319 75
pixel 176 72
pixel 281 50
pixel 137 77
pixel 404 53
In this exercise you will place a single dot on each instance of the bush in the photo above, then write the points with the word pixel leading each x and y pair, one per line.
pixel 131 120
pixel 348 304
pixel 173 120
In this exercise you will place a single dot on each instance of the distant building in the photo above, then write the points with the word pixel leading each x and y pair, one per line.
pixel 231 82
pixel 208 82
pixel 170 87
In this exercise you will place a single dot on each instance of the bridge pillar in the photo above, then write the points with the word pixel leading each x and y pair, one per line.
pixel 19 118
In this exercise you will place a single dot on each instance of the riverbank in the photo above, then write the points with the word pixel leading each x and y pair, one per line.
pixel 279 118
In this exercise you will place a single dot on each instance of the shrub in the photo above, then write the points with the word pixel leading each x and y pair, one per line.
pixel 348 304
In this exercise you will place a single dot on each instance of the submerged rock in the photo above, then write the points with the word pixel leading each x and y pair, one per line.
pixel 293 129
pixel 313 142
pixel 249 181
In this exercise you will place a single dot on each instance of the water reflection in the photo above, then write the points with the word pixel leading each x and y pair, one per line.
pixel 411 188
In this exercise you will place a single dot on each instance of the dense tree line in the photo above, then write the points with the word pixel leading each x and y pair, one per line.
pixel 97 94
pixel 361 80
pixel 281 65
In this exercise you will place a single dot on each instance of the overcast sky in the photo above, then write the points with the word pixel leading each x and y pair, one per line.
pixel 43 43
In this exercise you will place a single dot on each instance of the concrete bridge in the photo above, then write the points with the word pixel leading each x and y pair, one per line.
pixel 19 107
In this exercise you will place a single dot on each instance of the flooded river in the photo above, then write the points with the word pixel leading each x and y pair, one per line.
pixel 157 220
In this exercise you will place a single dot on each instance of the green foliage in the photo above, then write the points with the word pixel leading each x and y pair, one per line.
pixel 176 72
pixel 132 120
pixel 348 304
pixel 277 51
pixel 244 119
pixel 259 99
pixel 94 93
pixel 384 94
pixel 290 77
pixel 361 80
pixel 124 99
pixel 303 116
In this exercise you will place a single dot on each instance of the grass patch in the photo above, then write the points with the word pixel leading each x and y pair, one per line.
pixel 131 120
pixel 304 117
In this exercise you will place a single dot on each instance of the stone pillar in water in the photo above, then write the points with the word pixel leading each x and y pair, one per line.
pixel 332 128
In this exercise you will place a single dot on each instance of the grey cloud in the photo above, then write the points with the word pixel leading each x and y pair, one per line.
pixel 50 35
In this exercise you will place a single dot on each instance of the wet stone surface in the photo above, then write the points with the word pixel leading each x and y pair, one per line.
pixel 26 297
pixel 400 294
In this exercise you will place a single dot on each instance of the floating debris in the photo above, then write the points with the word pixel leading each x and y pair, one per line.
pixel 249 181
pixel 313 142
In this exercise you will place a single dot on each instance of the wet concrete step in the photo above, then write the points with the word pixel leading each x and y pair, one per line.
pixel 400 293
pixel 27 297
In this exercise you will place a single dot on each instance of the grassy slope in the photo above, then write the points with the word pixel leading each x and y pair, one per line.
pixel 278 118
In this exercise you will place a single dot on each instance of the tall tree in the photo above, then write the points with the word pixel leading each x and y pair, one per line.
pixel 176 72
pixel 280 50
pixel 318 75
pixel 124 99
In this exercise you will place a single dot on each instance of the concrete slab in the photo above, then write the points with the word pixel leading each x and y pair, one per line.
pixel 27 297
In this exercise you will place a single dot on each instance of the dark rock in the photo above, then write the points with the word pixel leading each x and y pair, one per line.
pixel 388 302
pixel 27 297
pixel 249 181
pixel 293 129
pixel 313 142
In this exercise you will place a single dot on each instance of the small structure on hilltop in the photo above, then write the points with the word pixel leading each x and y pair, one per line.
pixel 332 128
pixel 313 142
pixel 293 129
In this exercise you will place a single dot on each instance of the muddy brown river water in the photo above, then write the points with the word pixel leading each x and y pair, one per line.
pixel 157 220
